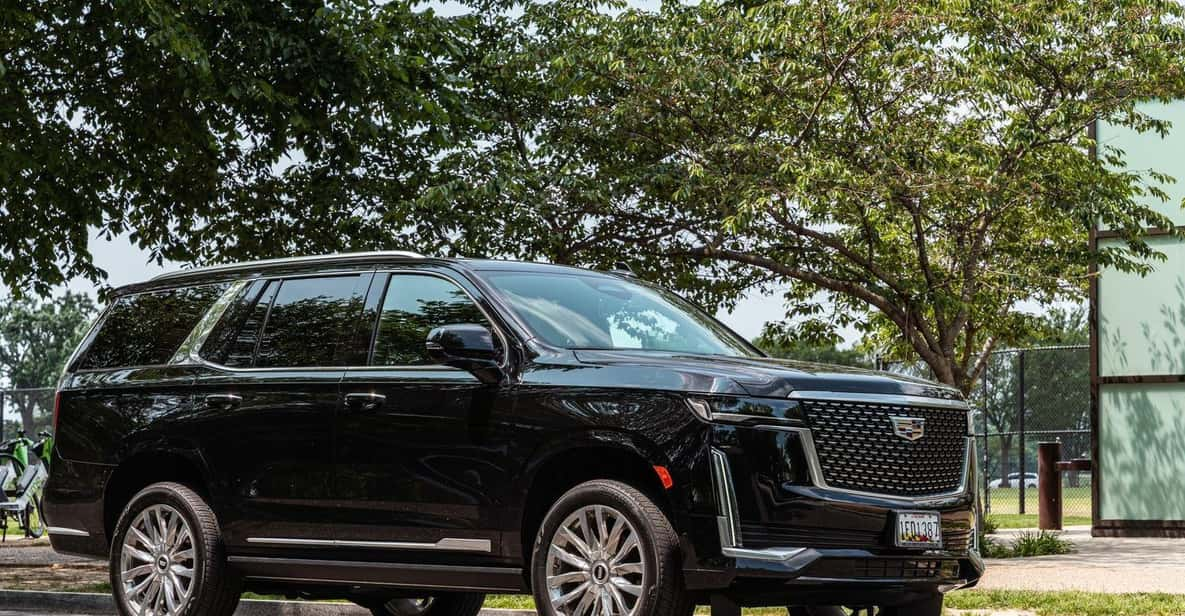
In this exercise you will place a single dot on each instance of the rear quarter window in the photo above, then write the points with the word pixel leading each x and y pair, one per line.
pixel 146 329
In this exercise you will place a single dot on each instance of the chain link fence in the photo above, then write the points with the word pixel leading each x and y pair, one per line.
pixel 1026 397
pixel 30 410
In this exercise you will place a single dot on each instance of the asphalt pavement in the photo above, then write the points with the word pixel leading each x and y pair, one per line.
pixel 1108 565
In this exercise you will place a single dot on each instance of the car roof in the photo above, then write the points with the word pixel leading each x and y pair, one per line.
pixel 315 263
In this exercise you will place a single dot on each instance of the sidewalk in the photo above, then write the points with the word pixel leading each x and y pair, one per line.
pixel 1099 565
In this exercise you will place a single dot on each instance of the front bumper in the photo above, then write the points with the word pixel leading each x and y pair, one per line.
pixel 781 534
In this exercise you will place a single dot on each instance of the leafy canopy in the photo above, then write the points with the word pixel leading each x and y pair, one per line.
pixel 215 129
pixel 913 169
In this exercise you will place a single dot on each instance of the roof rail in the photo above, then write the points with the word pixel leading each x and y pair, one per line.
pixel 247 265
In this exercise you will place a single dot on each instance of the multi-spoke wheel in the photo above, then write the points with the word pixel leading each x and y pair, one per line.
pixel 440 604
pixel 167 557
pixel 605 549
pixel 595 564
pixel 157 561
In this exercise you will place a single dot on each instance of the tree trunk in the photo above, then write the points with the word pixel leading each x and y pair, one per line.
pixel 27 407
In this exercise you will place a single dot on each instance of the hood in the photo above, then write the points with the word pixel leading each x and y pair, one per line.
pixel 768 377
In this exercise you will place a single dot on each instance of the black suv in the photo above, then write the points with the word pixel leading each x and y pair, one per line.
pixel 410 433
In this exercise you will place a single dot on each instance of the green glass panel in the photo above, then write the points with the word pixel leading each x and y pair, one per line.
pixel 1142 451
pixel 1142 319
pixel 1149 151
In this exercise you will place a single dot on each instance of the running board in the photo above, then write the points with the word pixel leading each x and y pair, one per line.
pixel 393 575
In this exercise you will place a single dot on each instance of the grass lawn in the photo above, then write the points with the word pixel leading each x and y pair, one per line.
pixel 1075 501
pixel 1043 603
pixel 1016 520
pixel 14 531
pixel 1070 603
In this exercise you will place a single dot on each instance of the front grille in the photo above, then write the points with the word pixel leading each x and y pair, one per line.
pixel 759 536
pixel 884 568
pixel 858 450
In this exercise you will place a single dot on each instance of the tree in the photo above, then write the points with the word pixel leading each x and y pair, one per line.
pixel 815 353
pixel 195 126
pixel 36 339
pixel 914 169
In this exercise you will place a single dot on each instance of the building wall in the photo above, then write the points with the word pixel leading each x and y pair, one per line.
pixel 1139 338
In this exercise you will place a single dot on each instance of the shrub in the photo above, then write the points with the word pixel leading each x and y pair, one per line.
pixel 1043 543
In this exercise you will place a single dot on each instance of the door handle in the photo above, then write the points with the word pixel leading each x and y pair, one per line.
pixel 224 400
pixel 365 402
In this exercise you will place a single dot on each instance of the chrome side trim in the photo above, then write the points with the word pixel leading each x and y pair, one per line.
pixel 188 351
pixel 816 471
pixel 894 399
pixel 727 516
pixel 382 574
pixel 67 532
pixel 444 545
pixel 768 554
pixel 728 519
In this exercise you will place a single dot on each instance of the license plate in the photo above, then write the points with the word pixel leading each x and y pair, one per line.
pixel 919 529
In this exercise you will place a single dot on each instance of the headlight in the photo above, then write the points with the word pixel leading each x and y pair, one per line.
pixel 740 410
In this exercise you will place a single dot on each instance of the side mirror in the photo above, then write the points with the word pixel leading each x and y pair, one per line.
pixel 467 346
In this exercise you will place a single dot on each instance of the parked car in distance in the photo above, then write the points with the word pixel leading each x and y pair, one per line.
pixel 410 433
pixel 1013 481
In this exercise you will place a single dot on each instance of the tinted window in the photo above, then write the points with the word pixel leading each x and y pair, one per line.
pixel 605 312
pixel 145 329
pixel 232 342
pixel 412 307
pixel 307 322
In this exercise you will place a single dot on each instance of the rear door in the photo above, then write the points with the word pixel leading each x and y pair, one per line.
pixel 419 464
pixel 268 392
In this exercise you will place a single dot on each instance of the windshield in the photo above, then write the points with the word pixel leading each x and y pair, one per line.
pixel 575 311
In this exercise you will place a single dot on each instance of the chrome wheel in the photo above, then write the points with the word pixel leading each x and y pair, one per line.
pixel 408 607
pixel 156 565
pixel 595 565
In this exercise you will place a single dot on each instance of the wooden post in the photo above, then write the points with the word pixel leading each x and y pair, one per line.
pixel 1049 486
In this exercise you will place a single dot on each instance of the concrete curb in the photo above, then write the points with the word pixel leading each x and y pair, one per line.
pixel 88 603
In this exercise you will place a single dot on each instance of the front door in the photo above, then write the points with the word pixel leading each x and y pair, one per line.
pixel 417 470
pixel 267 394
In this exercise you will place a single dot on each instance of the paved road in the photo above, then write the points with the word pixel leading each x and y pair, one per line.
pixel 4 612
pixel 1099 565
pixel 37 555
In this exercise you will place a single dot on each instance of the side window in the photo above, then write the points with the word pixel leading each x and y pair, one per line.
pixel 308 321
pixel 232 342
pixel 145 329
pixel 413 305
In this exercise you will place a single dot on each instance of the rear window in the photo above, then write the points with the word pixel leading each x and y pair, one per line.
pixel 146 329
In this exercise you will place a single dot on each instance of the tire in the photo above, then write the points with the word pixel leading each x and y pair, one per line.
pixel 447 604
pixel 626 554
pixel 817 610
pixel 33 520
pixel 187 541
pixel 929 606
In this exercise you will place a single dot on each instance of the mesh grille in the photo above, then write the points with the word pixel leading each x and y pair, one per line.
pixel 858 450
pixel 876 568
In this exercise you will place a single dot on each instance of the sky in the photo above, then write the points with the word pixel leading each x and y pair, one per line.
pixel 125 264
